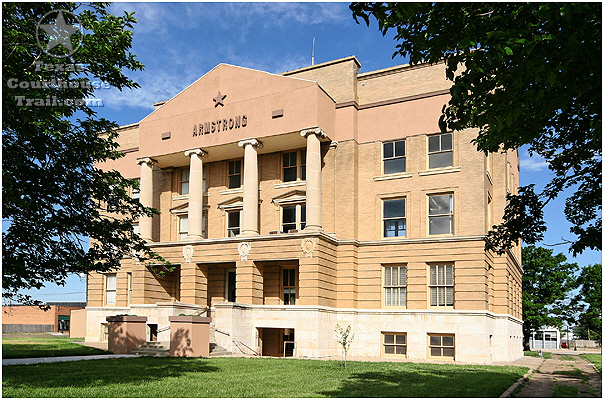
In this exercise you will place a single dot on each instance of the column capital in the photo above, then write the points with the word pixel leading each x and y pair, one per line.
pixel 145 160
pixel 197 151
pixel 317 131
pixel 253 142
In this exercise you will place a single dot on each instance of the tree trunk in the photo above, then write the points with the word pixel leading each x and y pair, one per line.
pixel 527 337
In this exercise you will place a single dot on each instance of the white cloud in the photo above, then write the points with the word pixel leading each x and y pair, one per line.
pixel 159 17
pixel 157 86
pixel 532 163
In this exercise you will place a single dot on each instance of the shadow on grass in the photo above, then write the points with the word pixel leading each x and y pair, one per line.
pixel 101 372
pixel 428 381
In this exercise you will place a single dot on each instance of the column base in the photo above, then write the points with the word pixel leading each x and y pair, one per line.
pixel 248 233
pixel 191 238
pixel 313 228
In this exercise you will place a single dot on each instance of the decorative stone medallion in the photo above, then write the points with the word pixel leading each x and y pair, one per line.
pixel 244 249
pixel 187 253
pixel 308 246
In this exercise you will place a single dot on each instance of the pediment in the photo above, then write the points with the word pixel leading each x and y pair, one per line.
pixel 233 202
pixel 224 87
pixel 291 196
pixel 180 209
pixel 229 104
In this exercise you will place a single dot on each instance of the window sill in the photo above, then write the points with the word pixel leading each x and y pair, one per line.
pixel 180 197
pixel 235 191
pixel 437 171
pixel 394 237
pixel 232 191
pixel 289 184
pixel 400 175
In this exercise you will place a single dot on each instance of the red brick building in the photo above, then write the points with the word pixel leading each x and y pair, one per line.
pixel 21 318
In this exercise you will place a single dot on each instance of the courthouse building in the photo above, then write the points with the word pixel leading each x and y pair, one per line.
pixel 291 203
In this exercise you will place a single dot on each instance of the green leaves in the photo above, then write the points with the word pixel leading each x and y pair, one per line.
pixel 54 197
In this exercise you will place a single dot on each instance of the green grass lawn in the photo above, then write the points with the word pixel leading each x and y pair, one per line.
pixel 253 377
pixel 24 346
pixel 535 354
pixel 595 359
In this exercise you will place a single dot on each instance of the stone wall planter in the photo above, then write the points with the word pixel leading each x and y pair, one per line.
pixel 190 336
pixel 126 332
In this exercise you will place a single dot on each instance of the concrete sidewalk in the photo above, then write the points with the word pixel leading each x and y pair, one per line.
pixel 22 361
pixel 576 376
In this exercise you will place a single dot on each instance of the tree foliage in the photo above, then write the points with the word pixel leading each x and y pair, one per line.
pixel 546 284
pixel 344 338
pixel 54 197
pixel 523 74
pixel 590 321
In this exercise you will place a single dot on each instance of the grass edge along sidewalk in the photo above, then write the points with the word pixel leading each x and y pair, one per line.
pixel 593 358
pixel 25 346
pixel 254 377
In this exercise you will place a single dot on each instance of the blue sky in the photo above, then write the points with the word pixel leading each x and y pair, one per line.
pixel 180 42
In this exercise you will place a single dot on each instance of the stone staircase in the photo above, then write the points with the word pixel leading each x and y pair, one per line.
pixel 215 350
pixel 155 349
pixel 162 349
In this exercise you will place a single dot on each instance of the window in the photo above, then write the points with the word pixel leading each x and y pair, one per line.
pixel 395 286
pixel 394 157
pixel 290 169
pixel 204 186
pixel 136 191
pixel 294 166
pixel 290 217
pixel 110 289
pixel 441 285
pixel 289 286
pixel 440 150
pixel 442 345
pixel 233 223
pixel 395 222
pixel 441 214
pixel 394 343
pixel 136 229
pixel 303 165
pixel 183 227
pixel 184 181
pixel 204 225
pixel 234 174
pixel 129 274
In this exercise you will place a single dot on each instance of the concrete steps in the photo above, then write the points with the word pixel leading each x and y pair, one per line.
pixel 162 349
pixel 155 349
pixel 218 351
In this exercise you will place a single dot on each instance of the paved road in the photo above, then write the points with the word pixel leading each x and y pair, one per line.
pixel 565 373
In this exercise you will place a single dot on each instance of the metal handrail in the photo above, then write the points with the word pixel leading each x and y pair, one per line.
pixel 224 333
pixel 294 349
pixel 167 328
pixel 252 350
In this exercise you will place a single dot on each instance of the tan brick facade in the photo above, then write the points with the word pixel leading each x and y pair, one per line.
pixel 339 269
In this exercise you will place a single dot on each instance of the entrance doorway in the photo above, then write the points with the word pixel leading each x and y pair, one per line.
pixel 152 332
pixel 231 285
pixel 275 341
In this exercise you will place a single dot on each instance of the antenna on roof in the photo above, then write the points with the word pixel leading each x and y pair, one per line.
pixel 312 60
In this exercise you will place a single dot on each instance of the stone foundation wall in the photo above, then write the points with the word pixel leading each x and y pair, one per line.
pixel 480 336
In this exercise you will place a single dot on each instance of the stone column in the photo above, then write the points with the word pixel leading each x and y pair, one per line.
pixel 313 178
pixel 250 283
pixel 195 193
pixel 145 224
pixel 249 225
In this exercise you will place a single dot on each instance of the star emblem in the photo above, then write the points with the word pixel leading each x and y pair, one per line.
pixel 60 33
pixel 218 100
